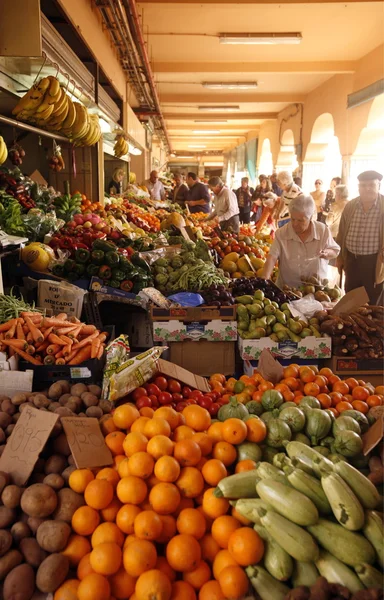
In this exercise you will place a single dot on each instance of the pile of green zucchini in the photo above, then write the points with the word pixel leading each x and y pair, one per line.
pixel 316 518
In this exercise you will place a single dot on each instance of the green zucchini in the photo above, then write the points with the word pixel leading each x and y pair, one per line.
pixel 240 485
pixel 349 547
pixel 373 531
pixel 266 586
pixel 297 542
pixel 310 487
pixel 307 455
pixel 281 460
pixel 276 560
pixel 369 576
pixel 345 506
pixel 335 571
pixel 267 471
pixel 304 573
pixel 300 464
pixel 288 502
pixel 248 450
pixel 363 489
pixel 248 508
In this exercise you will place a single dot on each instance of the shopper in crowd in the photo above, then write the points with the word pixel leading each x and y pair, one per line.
pixel 330 196
pixel 290 190
pixel 319 197
pixel 244 200
pixel 180 191
pixel 275 188
pixel 264 187
pixel 198 198
pixel 337 208
pixel 302 246
pixel 226 207
pixel 270 211
pixel 115 186
pixel 298 181
pixel 361 238
pixel 155 187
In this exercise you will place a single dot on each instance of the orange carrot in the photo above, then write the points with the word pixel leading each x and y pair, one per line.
pixel 42 346
pixel 75 333
pixel 47 332
pixel 62 316
pixel 67 350
pixel 88 329
pixel 6 326
pixel 101 351
pixel 29 337
pixel 49 359
pixel 60 361
pixel 102 337
pixel 67 339
pixel 25 329
pixel 74 320
pixel 83 355
pixel 95 346
pixel 21 344
pixel 59 354
pixel 31 349
pixel 55 339
pixel 65 330
pixel 53 348
pixel 26 356
pixel 11 332
pixel 19 331
pixel 31 315
pixel 36 333
pixel 53 322
pixel 86 341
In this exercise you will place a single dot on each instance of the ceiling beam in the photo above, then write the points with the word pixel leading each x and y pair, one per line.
pixel 222 127
pixel 217 116
pixel 282 2
pixel 321 68
pixel 235 98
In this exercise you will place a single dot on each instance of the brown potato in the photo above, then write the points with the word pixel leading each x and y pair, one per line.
pixel 19 584
pixel 39 500
pixel 5 419
pixel 8 562
pixel 55 464
pixel 95 389
pixel 53 536
pixel 61 446
pixel 11 496
pixel 55 481
pixel 3 437
pixel 34 523
pixel 36 478
pixel 2 448
pixel 71 460
pixel 52 572
pixel 68 502
pixel 5 541
pixel 106 406
pixel 4 480
pixel 89 399
pixel 8 407
pixel 41 401
pixel 19 531
pixel 66 473
pixel 63 411
pixel 31 551
pixel 22 407
pixel 55 391
pixel 3 397
pixel 7 516
pixel 73 406
pixel 18 399
pixel 52 407
pixel 65 386
pixel 15 417
pixel 94 411
pixel 78 389
pixel 64 399
pixel 9 429
pixel 57 429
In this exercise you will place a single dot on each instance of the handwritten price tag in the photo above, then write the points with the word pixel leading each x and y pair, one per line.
pixel 86 442
pixel 26 442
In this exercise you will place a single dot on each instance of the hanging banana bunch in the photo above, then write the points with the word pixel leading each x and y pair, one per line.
pixel 3 151
pixel 121 146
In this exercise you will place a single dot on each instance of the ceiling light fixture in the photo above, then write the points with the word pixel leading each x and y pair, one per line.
pixel 219 108
pixel 245 85
pixel 133 150
pixel 210 121
pixel 104 125
pixel 177 157
pixel 260 38
pixel 206 132
pixel 197 146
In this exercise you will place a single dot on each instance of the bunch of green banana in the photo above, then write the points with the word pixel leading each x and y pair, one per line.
pixel 121 146
pixel 67 206
pixel 3 151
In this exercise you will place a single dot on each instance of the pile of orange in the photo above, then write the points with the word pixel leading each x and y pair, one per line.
pixel 151 527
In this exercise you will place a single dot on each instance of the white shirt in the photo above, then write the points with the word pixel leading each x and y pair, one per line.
pixel 298 258
pixel 288 195
pixel 226 204
pixel 156 189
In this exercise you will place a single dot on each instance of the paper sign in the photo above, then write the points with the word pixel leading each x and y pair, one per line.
pixel 373 436
pixel 351 301
pixel 86 442
pixel 26 442
pixel 269 368
pixel 194 381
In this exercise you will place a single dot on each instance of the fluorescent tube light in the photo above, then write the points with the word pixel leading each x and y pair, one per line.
pixel 219 108
pixel 246 85
pixel 210 121
pixel 197 146
pixel 133 150
pixel 260 38
pixel 207 132
pixel 177 157
pixel 104 125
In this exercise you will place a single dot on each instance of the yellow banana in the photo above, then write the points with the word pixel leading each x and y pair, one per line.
pixel 3 151
pixel 61 103
pixel 43 85
pixel 81 124
pixel 54 87
pixel 71 116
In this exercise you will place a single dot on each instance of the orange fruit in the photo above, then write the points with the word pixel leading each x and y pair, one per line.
pixel 107 425
pixel 225 452
pixel 106 558
pixel 379 389
pixel 205 442
pixel 162 565
pixel 115 441
pixel 164 498
pixel 291 371
pixel 67 591
pixel 213 471
pixel 84 567
pixel 77 547
pixel 312 389
pixel 196 417
pixel 325 400
pixel 215 431
pixel 152 481
pixel 148 525
pixel 135 442
pixel 374 400
pixel 85 520
pixel 168 529
pixel 123 468
pixel 94 587
pixel 98 494
pixel 157 426
pixel 190 482
pixel 125 415
pixel 209 547
pixel 246 546
pixel 233 582
pixel 187 453
pixel 341 387
pixel 191 522
pixel 326 372
pixel 306 374
pixel 211 591
pixel 141 465
pixel 361 406
pixel 153 585
pixel 212 506
pixel 181 590
pixel 107 532
pixel 184 503
pixel 167 469
pixel 126 516
pixel 183 553
pixel 246 464
pixel 256 430
pixel 131 490
pixel 243 520
pixel 343 405
pixel 169 414
pixel 110 475
pixel 139 425
pixel 222 559
pixel 139 556
pixel 197 577
pixel 360 393
pixel 160 445
pixel 182 432
pixel 234 431
pixel 109 513
pixel 79 479
pixel 222 529
pixel 122 584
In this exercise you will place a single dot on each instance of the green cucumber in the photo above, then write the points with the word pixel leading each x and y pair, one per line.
pixel 276 560
pixel 369 576
pixel 240 485
pixel 297 542
pixel 266 586
pixel 363 489
pixel 304 573
pixel 373 531
pixel 248 507
pixel 310 487
pixel 288 502
pixel 345 506
pixel 335 571
pixel 349 547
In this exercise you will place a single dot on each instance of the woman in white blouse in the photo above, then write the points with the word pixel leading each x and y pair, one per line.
pixel 303 247
pixel 336 209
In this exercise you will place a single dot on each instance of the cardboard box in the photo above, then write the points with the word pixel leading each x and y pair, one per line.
pixel 204 359
pixel 105 292
pixel 369 369
pixel 251 366
pixel 198 323
pixel 308 348
pixel 139 331
pixel 197 313
pixel 60 296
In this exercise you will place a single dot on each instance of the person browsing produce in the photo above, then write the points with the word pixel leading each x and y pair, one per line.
pixel 115 186
pixel 302 246
pixel 226 207
pixel 155 187
pixel 180 192
pixel 244 200
pixel 198 198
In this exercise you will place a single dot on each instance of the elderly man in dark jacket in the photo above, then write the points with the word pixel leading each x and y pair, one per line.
pixel 244 200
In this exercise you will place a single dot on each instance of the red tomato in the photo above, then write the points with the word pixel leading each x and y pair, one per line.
pixel 165 398
pixel 155 402
pixel 173 404
pixel 223 400
pixel 214 394
pixel 153 390
pixel 178 397
pixel 196 394
pixel 174 386
pixel 214 409
pixel 143 401
pixel 161 383
pixel 180 406
pixel 140 391
pixel 186 391
pixel 205 402
pixel 191 401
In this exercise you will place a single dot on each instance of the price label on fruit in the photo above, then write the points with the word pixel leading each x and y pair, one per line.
pixel 86 442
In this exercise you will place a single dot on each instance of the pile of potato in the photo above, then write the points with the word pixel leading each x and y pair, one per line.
pixel 35 520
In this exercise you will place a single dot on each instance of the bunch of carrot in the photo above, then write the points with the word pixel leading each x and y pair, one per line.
pixel 51 341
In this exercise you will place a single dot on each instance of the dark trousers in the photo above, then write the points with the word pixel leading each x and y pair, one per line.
pixel 245 215
pixel 360 272
pixel 233 223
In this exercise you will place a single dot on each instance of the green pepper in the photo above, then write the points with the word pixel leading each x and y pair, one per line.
pixel 126 285
pixel 125 263
pixel 103 245
pixel 140 262
pixel 58 270
pixel 92 270
pixel 113 283
pixel 118 274
pixel 82 256
pixel 112 259
pixel 105 272
pixel 72 276
pixel 79 269
pixel 97 257
pixel 69 265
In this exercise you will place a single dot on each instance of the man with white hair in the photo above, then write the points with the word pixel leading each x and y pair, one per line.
pixel 155 186
pixel 302 246
pixel 226 207
pixel 290 190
